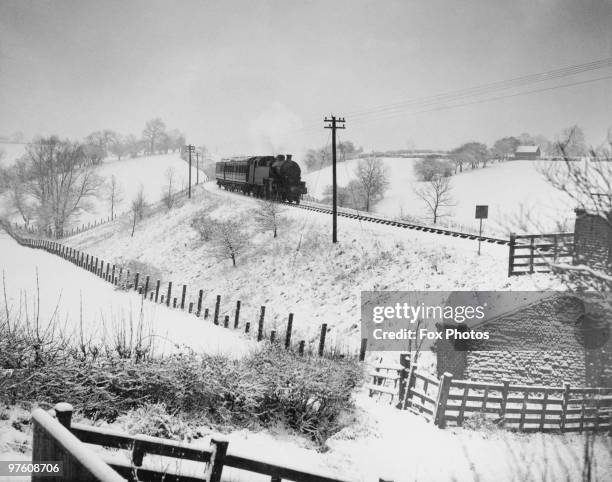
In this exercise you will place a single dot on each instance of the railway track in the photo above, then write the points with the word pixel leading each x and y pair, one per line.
pixel 392 222
pixel 400 224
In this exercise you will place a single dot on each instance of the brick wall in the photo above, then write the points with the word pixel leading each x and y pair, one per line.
pixel 556 323
pixel 592 240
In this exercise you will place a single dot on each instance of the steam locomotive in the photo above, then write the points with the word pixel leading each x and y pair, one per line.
pixel 266 177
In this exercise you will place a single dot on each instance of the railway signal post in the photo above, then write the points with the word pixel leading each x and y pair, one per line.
pixel 334 124
pixel 190 148
pixel 482 212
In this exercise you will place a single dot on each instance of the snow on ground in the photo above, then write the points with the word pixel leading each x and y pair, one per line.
pixel 150 172
pixel 301 272
pixel 69 294
pixel 381 441
pixel 506 187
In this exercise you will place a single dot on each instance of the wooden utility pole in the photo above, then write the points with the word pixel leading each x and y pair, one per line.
pixel 190 148
pixel 334 125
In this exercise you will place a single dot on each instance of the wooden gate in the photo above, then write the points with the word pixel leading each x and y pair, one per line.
pixel 534 253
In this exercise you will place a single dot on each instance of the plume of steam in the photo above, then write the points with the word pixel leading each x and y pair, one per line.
pixel 275 130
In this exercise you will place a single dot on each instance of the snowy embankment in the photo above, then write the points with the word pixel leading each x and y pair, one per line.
pixel 507 188
pixel 301 271
pixel 43 286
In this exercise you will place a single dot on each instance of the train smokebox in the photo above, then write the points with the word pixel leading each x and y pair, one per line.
pixel 280 157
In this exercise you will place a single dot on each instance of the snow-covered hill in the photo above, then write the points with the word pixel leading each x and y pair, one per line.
pixel 508 188
pixel 301 271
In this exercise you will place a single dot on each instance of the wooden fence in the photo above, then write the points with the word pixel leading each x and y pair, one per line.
pixel 534 253
pixel 152 291
pixel 61 440
pixel 524 408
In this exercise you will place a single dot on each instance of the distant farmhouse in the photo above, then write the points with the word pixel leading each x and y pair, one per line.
pixel 527 153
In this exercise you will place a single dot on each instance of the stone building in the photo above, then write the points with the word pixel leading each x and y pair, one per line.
pixel 577 341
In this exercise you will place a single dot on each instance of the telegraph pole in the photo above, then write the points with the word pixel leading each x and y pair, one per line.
pixel 334 125
pixel 190 148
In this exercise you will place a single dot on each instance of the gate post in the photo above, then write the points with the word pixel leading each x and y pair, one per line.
pixel 404 360
pixel 439 418
pixel 511 254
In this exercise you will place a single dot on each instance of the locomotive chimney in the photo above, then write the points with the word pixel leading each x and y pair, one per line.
pixel 288 157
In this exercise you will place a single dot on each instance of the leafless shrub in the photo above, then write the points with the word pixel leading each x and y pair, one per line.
pixel 228 239
pixel 169 193
pixel 269 216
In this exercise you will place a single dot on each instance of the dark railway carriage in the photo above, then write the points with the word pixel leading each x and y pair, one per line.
pixel 263 176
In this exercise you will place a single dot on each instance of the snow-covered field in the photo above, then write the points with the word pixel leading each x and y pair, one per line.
pixel 44 286
pixel 506 187
pixel 150 172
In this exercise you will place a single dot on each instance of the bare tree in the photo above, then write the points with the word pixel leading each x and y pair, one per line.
pixel 138 208
pixel 269 216
pixel 372 176
pixel 114 194
pixel 436 194
pixel 59 181
pixel 588 183
pixel 152 133
pixel 228 240
pixel 169 195
pixel 16 184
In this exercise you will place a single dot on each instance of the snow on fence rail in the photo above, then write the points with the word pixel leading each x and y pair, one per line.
pixel 61 440
pixel 143 284
pixel 534 253
pixel 526 408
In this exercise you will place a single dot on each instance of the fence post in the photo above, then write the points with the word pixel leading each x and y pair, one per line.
pixel 226 321
pixel 107 271
pixel 146 287
pixel 174 302
pixel 190 307
pixel 205 313
pixel 101 273
pixel 301 347
pixel 184 293
pixel 564 405
pixel 504 402
pixel 169 293
pixel 136 279
pixel 215 466
pixel 157 290
pixel 440 409
pixel 411 379
pixel 404 360
pixel 511 254
pixel 237 315
pixel 200 303
pixel 322 338
pixel 113 281
pixel 217 307
pixel 363 348
pixel 63 412
pixel 261 323
pixel 272 336
pixel 247 327
pixel 288 334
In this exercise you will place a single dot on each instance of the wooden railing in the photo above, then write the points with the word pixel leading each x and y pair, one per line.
pixel 526 408
pixel 62 440
pixel 534 253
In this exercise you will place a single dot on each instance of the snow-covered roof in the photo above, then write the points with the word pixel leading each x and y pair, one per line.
pixel 527 149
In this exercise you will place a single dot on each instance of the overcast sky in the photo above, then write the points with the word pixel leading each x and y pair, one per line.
pixel 261 75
